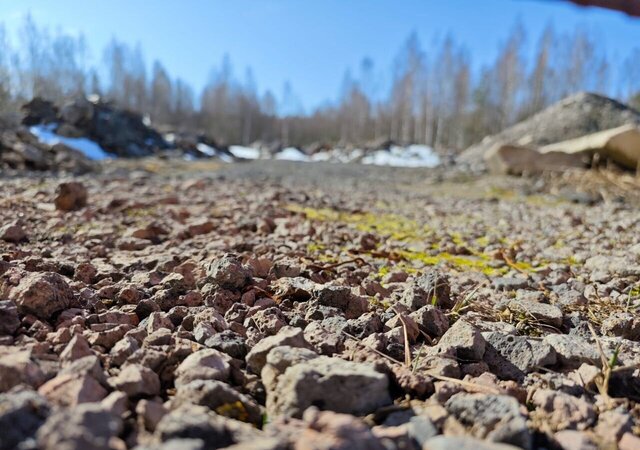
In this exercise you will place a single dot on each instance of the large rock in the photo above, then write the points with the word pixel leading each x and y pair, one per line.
pixel 621 145
pixel 508 159
pixel 42 294
pixel 329 384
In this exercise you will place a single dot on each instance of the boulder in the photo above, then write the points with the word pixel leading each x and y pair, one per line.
pixel 621 145
pixel 509 159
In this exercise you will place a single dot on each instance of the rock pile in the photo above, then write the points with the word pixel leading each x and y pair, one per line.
pixel 566 134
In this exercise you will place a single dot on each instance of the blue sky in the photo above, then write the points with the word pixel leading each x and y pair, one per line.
pixel 310 43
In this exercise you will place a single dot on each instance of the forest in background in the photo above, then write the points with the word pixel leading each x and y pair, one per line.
pixel 437 97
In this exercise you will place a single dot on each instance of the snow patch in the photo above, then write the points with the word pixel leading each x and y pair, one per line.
pixel 89 148
pixel 244 152
pixel 210 151
pixel 411 156
pixel 291 154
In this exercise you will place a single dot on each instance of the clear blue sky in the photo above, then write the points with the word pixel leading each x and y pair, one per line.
pixel 311 43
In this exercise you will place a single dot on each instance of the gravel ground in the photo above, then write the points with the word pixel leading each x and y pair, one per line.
pixel 274 305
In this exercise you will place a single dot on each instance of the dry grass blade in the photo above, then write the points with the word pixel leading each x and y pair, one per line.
pixel 407 346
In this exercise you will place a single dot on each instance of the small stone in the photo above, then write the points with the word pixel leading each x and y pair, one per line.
pixel 9 319
pixel 17 367
pixel 431 320
pixel 328 430
pixel 228 342
pixel 612 425
pixel 331 384
pixel 464 340
pixel 71 390
pixel 42 294
pixel 191 421
pixel 463 443
pixel 572 350
pixel 512 357
pixel 229 272
pixel 21 414
pixel 12 232
pixel 150 413
pixel 71 196
pixel 574 440
pixel 563 411
pixel 622 324
pixel 135 380
pixel 629 442
pixel 219 397
pixel 542 312
pixel 340 297
pixel 496 418
pixel 509 284
pixel 77 348
pixel 86 427
pixel 207 364
pixel 257 356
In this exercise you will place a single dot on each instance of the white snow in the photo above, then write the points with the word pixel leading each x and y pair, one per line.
pixel 411 156
pixel 210 151
pixel 291 154
pixel 244 152
pixel 89 148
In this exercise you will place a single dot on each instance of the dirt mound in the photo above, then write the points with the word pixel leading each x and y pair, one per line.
pixel 575 116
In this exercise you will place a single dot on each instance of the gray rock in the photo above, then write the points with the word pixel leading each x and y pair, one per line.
pixel 331 384
pixel 463 443
pixel 42 294
pixel 219 397
pixel 497 418
pixel 21 414
pixel 563 410
pixel 86 427
pixel 509 284
pixel 429 289
pixel 289 336
pixel 573 350
pixel 512 357
pixel 574 440
pixel 196 422
pixel 463 340
pixel 229 272
pixel 207 364
pixel 9 319
pixel 135 380
pixel 228 342
pixel 340 297
pixel 431 320
pixel 17 367
pixel 542 312
pixel 622 324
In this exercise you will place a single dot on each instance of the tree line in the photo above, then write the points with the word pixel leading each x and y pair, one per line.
pixel 437 97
